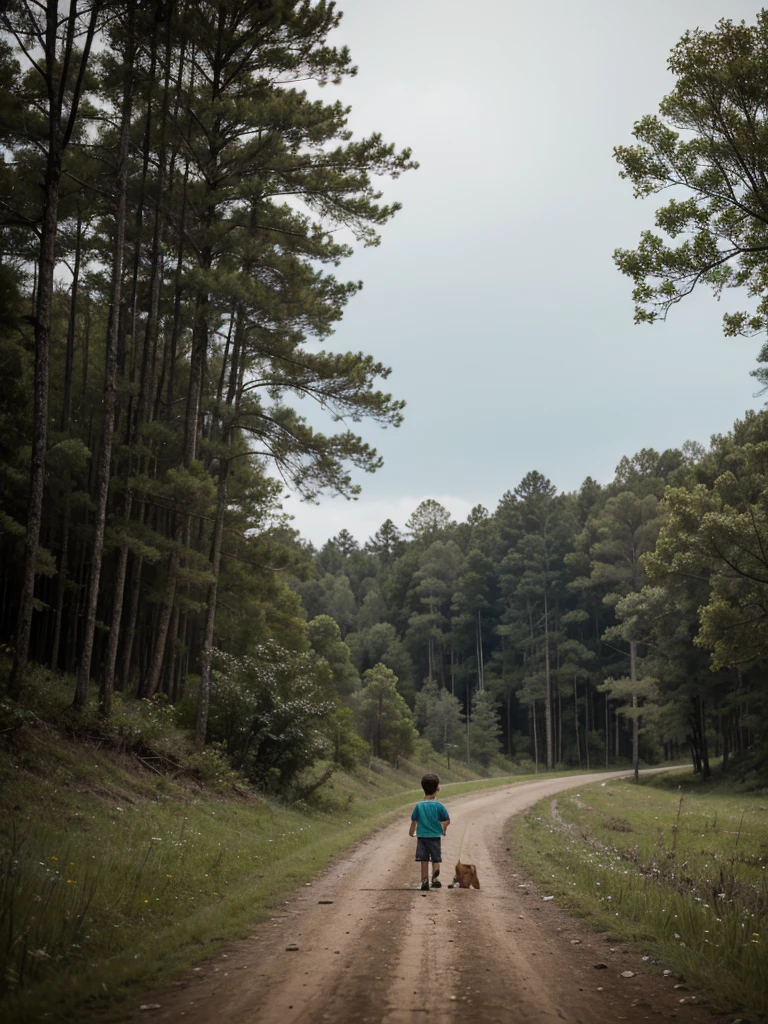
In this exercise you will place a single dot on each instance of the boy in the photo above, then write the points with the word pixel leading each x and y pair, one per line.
pixel 429 822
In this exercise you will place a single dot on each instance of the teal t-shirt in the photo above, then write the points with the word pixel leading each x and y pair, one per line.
pixel 429 814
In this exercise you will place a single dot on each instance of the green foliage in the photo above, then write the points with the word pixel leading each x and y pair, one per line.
pixel 484 729
pixel 325 638
pixel 204 297
pixel 675 867
pixel 379 644
pixel 709 144
pixel 427 521
pixel 438 715
pixel 270 712
pixel 122 872
pixel 545 605
pixel 384 718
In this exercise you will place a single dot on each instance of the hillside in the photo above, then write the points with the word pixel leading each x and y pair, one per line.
pixel 120 863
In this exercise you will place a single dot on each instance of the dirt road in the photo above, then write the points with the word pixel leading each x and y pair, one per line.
pixel 372 948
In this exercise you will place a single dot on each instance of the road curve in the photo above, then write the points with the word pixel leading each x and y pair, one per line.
pixel 372 948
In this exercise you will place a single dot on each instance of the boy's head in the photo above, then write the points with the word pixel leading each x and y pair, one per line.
pixel 430 783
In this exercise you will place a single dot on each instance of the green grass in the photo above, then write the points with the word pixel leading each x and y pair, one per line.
pixel 679 868
pixel 113 876
pixel 125 857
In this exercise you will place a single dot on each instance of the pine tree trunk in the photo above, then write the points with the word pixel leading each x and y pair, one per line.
pixel 133 615
pixel 635 720
pixel 40 431
pixel 152 678
pixel 108 681
pixel 548 696
pixel 61 579
pixel 586 723
pixel 59 133
pixel 66 405
pixel 66 414
pixel 110 386
pixel 203 695
pixel 705 769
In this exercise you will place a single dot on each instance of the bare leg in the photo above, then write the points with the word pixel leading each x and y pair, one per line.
pixel 424 870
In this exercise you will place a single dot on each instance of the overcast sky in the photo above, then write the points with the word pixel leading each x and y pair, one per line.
pixel 493 295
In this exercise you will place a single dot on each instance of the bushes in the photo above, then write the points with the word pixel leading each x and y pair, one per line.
pixel 270 714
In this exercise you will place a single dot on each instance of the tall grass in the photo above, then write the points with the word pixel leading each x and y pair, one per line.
pixel 682 871
pixel 112 875
pixel 124 856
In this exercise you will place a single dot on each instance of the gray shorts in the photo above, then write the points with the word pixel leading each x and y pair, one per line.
pixel 428 848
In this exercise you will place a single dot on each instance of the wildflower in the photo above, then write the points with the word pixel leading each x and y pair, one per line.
pixel 53 858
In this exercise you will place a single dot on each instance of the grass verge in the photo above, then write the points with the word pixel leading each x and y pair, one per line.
pixel 676 867
pixel 113 875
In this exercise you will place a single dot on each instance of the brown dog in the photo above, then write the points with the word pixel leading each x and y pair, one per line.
pixel 466 876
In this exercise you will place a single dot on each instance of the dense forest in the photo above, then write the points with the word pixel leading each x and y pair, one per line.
pixel 176 197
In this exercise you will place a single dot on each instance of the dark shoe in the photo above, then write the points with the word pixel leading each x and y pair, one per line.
pixel 425 885
pixel 436 883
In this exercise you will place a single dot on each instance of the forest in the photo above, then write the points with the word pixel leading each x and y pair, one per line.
pixel 178 194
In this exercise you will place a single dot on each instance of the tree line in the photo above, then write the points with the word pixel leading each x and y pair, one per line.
pixel 176 197
pixel 595 627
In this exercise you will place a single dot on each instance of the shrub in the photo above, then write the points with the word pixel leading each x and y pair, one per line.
pixel 269 713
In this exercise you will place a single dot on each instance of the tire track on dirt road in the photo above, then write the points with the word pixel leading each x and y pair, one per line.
pixel 381 952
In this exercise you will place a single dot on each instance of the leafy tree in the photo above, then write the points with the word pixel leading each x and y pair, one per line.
pixel 678 690
pixel 434 582
pixel 438 714
pixel 325 638
pixel 627 527
pixel 708 143
pixel 270 712
pixel 385 719
pixel 374 608
pixel 710 560
pixel 381 644
pixel 484 729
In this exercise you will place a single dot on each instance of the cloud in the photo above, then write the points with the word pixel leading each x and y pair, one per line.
pixel 364 517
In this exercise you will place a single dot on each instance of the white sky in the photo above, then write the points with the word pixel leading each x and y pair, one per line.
pixel 493 295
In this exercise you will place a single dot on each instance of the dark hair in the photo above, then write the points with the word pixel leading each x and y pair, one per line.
pixel 429 783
